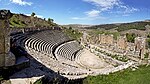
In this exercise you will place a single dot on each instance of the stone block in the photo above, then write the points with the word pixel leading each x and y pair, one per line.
pixel 4 35
pixel 10 59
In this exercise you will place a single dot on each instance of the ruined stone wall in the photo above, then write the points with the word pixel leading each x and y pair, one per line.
pixel 2 43
pixel 5 55
pixel 106 39
pixel 94 39
pixel 109 40
pixel 140 43
pixel 85 38
pixel 103 39
pixel 136 49
pixel 122 42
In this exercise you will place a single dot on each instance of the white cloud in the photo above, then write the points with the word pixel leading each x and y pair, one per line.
pixel 125 10
pixel 21 2
pixel 128 9
pixel 76 18
pixel 89 18
pixel 92 13
pixel 104 4
pixel 111 6
pixel 40 16
pixel 28 14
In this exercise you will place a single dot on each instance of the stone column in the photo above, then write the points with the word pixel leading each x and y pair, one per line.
pixel 2 43
pixel 6 57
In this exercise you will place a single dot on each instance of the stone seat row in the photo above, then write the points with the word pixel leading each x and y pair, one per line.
pixel 39 45
pixel 52 36
pixel 78 54
pixel 67 50
pixel 62 69
pixel 19 39
pixel 46 41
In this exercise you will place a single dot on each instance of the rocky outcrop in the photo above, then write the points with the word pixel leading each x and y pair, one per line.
pixel 5 14
pixel 10 59
pixel 4 35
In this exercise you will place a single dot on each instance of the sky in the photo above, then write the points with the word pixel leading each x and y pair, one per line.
pixel 82 11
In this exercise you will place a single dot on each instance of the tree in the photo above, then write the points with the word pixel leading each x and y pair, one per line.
pixel 32 18
pixel 148 42
pixel 146 55
pixel 70 28
pixel 44 19
pixel 130 37
pixel 148 35
pixel 50 20
pixel 33 14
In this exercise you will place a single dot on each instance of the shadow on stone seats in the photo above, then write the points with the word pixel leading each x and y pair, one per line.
pixel 37 69
pixel 27 67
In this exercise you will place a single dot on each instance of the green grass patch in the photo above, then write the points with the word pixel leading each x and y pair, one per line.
pixel 97 32
pixel 15 21
pixel 139 76
pixel 136 25
pixel 73 34
pixel 38 82
pixel 1 78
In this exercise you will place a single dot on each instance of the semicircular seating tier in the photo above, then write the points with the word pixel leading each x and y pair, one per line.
pixel 67 50
pixel 50 42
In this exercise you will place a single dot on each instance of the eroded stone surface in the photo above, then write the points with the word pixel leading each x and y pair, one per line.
pixel 4 35
pixel 10 59
pixel 5 14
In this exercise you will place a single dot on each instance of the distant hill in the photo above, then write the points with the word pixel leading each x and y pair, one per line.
pixel 21 20
pixel 76 26
pixel 147 20
pixel 140 25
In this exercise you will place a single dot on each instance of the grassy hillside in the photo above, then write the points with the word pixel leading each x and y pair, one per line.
pixel 76 26
pixel 72 33
pixel 122 27
pixel 139 76
pixel 21 20
pixel 97 32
